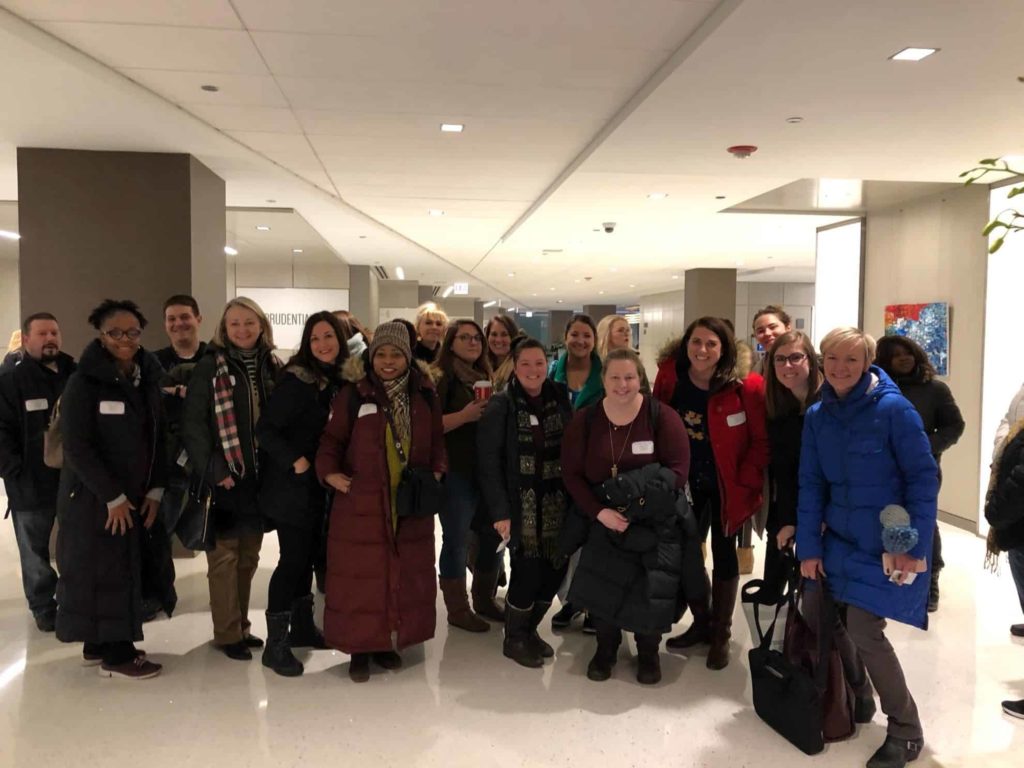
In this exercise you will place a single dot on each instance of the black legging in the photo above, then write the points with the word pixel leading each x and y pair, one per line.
pixel 708 506
pixel 533 579
pixel 293 576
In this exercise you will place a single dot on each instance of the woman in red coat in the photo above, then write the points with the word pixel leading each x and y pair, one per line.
pixel 380 568
pixel 725 420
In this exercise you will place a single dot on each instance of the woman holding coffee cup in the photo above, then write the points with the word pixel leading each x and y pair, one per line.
pixel 463 388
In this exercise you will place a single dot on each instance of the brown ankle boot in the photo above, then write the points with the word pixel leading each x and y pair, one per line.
pixel 457 602
pixel 723 603
pixel 484 604
pixel 745 556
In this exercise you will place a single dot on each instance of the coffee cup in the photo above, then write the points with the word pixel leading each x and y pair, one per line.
pixel 482 390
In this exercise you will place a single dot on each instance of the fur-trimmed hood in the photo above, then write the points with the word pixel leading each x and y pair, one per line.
pixel 744 356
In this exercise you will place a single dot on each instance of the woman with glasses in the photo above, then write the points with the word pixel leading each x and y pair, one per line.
pixel 461 365
pixel 110 490
pixel 228 391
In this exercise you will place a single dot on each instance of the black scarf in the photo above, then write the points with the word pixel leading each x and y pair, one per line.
pixel 542 499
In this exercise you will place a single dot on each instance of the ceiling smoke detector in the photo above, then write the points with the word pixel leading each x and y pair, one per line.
pixel 741 151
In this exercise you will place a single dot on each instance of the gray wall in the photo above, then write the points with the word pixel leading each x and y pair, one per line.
pixel 10 315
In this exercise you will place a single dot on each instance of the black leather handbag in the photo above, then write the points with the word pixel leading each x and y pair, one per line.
pixel 195 522
pixel 419 493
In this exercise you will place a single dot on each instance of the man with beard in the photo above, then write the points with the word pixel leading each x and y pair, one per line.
pixel 28 393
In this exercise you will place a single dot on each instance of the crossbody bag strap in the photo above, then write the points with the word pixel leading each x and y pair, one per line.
pixel 394 435
pixel 826 633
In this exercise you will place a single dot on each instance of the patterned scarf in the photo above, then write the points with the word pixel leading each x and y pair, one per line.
pixel 542 499
pixel 227 424
pixel 397 391
pixel 466 373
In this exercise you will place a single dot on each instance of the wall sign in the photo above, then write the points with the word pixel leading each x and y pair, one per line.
pixel 460 289
pixel 289 308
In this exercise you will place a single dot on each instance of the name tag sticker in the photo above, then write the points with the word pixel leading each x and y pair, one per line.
pixel 112 407
pixel 367 409
pixel 735 419
pixel 643 447
pixel 232 378
pixel 39 404
pixel 534 421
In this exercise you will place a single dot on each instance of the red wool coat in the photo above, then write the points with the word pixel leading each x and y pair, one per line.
pixel 737 424
pixel 378 581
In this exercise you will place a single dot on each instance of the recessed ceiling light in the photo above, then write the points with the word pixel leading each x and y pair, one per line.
pixel 913 54
pixel 8 235
pixel 657 195
pixel 230 251
pixel 576 280
pixel 613 269
pixel 435 212
pixel 296 250
pixel 262 228
pixel 551 289
pixel 675 277
pixel 600 293
pixel 632 285
pixel 511 274
pixel 400 273
pixel 210 88
pixel 559 302
pixel 452 127
pixel 533 294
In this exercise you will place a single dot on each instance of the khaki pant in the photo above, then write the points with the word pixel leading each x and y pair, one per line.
pixel 230 568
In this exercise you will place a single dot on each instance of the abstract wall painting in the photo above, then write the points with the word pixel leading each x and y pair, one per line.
pixel 927 324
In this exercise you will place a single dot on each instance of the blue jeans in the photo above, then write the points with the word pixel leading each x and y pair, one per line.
pixel 32 529
pixel 456 519
pixel 1016 557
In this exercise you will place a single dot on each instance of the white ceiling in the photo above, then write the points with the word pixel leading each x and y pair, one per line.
pixel 575 111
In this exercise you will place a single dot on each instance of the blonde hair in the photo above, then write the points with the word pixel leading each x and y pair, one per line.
pixel 15 343
pixel 430 310
pixel 840 337
pixel 220 336
pixel 604 333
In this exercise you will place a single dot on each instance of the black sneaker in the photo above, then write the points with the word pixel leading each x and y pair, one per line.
pixel 1017 630
pixel 1014 708
pixel 237 651
pixel 564 617
pixel 896 753
pixel 251 641
pixel 46 622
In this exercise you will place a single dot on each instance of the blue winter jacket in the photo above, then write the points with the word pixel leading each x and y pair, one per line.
pixel 859 454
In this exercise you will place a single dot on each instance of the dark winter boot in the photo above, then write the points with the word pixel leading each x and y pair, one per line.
pixel 277 654
pixel 517 645
pixel 648 665
pixel 933 593
pixel 484 587
pixel 608 640
pixel 699 632
pixel 540 608
pixel 457 602
pixel 305 633
pixel 723 603
pixel 896 753
pixel 359 667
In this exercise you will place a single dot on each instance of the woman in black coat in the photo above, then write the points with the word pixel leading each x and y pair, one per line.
pixel 110 489
pixel 290 497
pixel 228 389
pixel 908 365
pixel 518 450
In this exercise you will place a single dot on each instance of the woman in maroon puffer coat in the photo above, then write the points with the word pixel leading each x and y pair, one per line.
pixel 380 568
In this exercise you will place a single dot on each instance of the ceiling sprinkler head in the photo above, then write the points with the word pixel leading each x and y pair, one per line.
pixel 742 151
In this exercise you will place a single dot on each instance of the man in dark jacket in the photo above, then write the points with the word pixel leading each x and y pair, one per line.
pixel 28 393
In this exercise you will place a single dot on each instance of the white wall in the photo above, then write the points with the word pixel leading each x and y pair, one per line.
pixel 10 312
pixel 281 275
pixel 796 298
pixel 932 250
pixel 661 319
pixel 837 278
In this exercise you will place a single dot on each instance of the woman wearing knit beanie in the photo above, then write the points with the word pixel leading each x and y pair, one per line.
pixel 380 567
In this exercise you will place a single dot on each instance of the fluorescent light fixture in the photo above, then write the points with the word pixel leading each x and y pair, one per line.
pixel 296 250
pixel 559 302
pixel 435 212
pixel 657 195
pixel 490 304
pixel 230 251
pixel 913 54
pixel 400 273
pixel 511 274
pixel 262 228
pixel 447 291
pixel 8 235
pixel 452 127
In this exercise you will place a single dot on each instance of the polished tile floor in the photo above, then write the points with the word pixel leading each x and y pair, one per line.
pixel 458 702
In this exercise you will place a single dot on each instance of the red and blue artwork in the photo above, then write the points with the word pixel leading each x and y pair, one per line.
pixel 927 324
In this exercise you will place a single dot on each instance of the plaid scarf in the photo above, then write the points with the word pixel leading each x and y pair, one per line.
pixel 397 391
pixel 542 499
pixel 227 424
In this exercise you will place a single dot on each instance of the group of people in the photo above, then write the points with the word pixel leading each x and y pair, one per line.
pixel 601 485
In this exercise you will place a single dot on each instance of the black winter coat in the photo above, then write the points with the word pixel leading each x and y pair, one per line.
pixel 633 579
pixel 784 435
pixel 113 445
pixel 236 509
pixel 943 422
pixel 28 393
pixel 289 428
pixel 1004 504
pixel 497 440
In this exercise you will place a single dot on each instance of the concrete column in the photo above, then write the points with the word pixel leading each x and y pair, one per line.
pixel 135 225
pixel 709 292
pixel 426 293
pixel 363 295
pixel 558 319
pixel 597 311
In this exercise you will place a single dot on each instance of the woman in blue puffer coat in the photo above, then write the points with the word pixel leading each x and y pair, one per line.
pixel 864 448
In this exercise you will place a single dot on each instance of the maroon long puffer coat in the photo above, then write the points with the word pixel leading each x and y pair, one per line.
pixel 378 581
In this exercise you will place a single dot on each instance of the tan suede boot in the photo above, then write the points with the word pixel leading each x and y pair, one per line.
pixel 456 601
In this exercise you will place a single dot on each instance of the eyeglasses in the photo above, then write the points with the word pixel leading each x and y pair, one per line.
pixel 117 334
pixel 466 338
pixel 795 359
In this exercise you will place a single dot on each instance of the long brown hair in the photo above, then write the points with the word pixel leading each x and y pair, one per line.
pixel 513 331
pixel 779 400
pixel 446 358
pixel 725 368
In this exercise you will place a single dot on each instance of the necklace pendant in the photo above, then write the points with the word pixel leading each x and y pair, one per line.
pixel 615 470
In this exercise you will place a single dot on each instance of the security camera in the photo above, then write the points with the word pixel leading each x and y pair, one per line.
pixel 609 227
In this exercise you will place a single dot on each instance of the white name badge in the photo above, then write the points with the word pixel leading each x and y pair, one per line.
pixel 232 379
pixel 367 409
pixel 39 404
pixel 735 419
pixel 112 407
pixel 643 447
pixel 534 421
